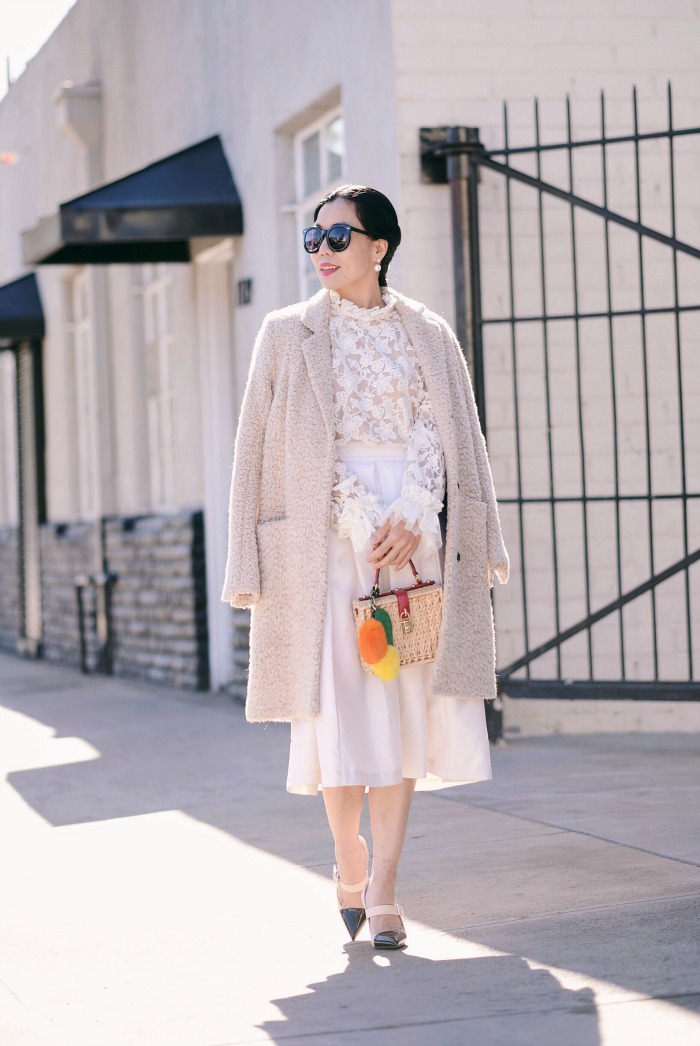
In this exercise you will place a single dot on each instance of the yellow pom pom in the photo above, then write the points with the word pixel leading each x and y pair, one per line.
pixel 388 667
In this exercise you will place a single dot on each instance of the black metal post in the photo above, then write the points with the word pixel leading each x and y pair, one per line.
pixel 457 167
pixel 460 143
pixel 475 357
pixel 103 582
pixel 80 582
pixel 445 158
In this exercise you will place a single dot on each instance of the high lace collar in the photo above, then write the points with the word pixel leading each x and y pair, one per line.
pixel 345 307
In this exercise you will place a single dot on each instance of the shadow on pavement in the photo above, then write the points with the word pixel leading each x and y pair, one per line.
pixel 467 993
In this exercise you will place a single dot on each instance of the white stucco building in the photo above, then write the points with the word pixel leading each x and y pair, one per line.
pixel 143 358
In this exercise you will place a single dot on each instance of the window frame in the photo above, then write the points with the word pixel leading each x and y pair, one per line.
pixel 80 330
pixel 9 465
pixel 306 202
pixel 158 340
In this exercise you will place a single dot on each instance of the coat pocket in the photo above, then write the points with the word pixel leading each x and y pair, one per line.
pixel 470 540
pixel 273 556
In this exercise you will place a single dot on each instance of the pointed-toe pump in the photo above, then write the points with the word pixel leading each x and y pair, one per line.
pixel 391 939
pixel 352 917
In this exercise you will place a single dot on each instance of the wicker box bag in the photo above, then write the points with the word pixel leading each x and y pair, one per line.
pixel 415 612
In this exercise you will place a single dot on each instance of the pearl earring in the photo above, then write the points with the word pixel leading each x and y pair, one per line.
pixel 377 267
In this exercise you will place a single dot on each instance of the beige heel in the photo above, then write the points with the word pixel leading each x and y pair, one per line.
pixel 386 938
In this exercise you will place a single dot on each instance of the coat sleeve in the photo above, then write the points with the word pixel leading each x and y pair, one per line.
pixel 498 565
pixel 242 581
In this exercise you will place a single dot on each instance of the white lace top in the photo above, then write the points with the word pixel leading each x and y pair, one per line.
pixel 380 397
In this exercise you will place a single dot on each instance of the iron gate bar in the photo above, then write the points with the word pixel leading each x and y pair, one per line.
pixel 660 310
pixel 543 499
pixel 548 399
pixel 579 398
pixel 442 149
pixel 513 351
pixel 645 375
pixel 483 160
pixel 679 371
pixel 601 690
pixel 613 390
pixel 583 143
pixel 598 615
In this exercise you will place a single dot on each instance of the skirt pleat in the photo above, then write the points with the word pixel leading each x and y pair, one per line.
pixel 371 732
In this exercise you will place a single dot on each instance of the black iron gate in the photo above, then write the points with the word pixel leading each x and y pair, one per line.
pixel 583 335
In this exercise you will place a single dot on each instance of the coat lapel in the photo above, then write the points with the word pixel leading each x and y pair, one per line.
pixel 316 347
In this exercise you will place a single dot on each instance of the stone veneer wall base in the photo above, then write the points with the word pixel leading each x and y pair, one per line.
pixel 9 587
pixel 158 602
pixel 67 550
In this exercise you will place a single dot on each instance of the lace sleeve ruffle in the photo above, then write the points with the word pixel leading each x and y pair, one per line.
pixel 419 511
pixel 423 487
pixel 355 511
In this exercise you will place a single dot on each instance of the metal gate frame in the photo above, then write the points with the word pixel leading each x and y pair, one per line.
pixel 454 155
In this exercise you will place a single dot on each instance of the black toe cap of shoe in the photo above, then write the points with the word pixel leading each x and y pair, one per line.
pixel 389 939
pixel 353 919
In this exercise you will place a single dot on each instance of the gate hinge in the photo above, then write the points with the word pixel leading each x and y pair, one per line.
pixel 437 143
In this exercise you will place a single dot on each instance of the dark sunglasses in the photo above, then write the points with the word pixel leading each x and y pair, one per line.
pixel 338 237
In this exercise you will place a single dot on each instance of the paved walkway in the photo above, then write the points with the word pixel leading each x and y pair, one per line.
pixel 160 888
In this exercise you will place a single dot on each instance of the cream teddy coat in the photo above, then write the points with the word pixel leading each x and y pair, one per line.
pixel 280 503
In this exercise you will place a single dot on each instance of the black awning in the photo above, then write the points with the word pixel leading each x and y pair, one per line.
pixel 21 314
pixel 148 216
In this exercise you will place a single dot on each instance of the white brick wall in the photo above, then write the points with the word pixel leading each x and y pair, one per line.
pixel 456 62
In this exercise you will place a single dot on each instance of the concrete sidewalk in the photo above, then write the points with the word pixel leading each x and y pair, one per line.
pixel 159 887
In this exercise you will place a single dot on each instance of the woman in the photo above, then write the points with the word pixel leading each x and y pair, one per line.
pixel 358 418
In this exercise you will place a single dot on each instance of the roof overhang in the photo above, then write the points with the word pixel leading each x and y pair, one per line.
pixel 21 314
pixel 149 216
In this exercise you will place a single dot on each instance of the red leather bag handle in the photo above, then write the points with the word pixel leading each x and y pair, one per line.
pixel 412 566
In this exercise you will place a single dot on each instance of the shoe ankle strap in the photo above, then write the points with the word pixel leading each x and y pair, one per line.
pixel 353 887
pixel 349 887
pixel 383 909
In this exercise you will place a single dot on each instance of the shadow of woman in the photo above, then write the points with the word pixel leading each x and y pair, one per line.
pixel 413 1000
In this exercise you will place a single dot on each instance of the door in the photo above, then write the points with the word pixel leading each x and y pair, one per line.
pixel 213 274
pixel 32 508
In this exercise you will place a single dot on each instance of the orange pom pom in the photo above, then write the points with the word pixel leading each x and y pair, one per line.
pixel 372 641
pixel 388 667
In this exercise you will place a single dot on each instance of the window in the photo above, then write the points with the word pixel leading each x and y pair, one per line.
pixel 319 151
pixel 158 341
pixel 80 333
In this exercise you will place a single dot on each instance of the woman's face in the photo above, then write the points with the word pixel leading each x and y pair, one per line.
pixel 351 270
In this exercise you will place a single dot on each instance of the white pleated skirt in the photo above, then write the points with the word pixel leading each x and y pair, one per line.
pixel 371 732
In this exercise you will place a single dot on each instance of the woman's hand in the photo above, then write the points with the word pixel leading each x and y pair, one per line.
pixel 393 546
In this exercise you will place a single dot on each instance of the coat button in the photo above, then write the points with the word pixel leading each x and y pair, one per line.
pixel 458 557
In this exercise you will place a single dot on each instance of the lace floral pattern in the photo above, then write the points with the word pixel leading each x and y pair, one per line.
pixel 380 397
